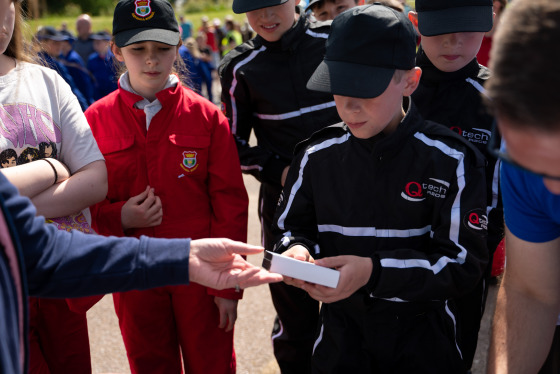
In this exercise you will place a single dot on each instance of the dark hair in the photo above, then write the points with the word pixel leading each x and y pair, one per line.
pixel 6 154
pixel 524 62
pixel 27 155
pixel 43 146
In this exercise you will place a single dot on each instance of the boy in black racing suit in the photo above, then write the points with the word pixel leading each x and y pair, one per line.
pixel 395 203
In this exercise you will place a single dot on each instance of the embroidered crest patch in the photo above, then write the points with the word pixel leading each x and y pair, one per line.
pixel 189 163
pixel 143 10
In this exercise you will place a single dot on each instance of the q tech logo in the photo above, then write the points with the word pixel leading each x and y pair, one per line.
pixel 415 191
pixel 474 135
pixel 476 219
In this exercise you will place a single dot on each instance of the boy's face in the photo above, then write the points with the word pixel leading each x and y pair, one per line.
pixel 534 150
pixel 368 117
pixel 452 52
pixel 328 9
pixel 272 22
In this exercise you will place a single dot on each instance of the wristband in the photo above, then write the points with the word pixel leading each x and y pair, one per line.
pixel 54 169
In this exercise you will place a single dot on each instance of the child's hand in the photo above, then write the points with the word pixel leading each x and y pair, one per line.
pixel 228 312
pixel 355 272
pixel 299 252
pixel 143 210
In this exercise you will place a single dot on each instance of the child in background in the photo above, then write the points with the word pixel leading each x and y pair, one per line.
pixel 450 93
pixel 101 64
pixel 394 202
pixel 42 121
pixel 50 46
pixel 207 64
pixel 173 172
pixel 193 64
pixel 76 66
pixel 324 10
pixel 263 90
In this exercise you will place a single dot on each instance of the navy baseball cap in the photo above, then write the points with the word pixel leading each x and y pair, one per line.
pixel 137 21
pixel 436 17
pixel 244 6
pixel 68 36
pixel 101 35
pixel 49 32
pixel 365 47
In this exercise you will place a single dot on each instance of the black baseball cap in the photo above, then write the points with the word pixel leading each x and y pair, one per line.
pixel 49 32
pixel 137 21
pixel 365 47
pixel 436 17
pixel 244 6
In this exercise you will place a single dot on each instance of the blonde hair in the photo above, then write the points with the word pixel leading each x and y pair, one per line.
pixel 192 46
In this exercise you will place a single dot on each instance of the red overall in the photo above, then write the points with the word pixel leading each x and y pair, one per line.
pixel 189 157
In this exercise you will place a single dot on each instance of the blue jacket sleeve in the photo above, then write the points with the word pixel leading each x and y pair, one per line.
pixel 71 264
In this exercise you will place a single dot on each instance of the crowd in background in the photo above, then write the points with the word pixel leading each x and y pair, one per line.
pixel 86 62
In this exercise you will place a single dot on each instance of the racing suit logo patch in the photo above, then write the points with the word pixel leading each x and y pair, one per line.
pixel 474 135
pixel 189 163
pixel 415 191
pixel 476 220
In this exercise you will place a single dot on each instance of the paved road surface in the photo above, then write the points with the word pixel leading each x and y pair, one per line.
pixel 252 334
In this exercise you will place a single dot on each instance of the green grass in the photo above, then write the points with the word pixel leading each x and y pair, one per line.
pixel 194 12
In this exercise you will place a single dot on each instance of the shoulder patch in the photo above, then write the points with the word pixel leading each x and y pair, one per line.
pixel 476 221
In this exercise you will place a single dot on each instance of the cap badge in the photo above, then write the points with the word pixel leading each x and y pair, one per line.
pixel 143 10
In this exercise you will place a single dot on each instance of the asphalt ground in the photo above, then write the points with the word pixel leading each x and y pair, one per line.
pixel 252 330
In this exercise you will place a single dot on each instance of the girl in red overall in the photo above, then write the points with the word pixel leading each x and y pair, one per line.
pixel 173 172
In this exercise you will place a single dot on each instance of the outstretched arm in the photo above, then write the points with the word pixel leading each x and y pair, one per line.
pixel 527 307
pixel 217 263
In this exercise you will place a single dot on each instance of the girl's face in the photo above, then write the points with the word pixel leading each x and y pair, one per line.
pixel 7 19
pixel 149 65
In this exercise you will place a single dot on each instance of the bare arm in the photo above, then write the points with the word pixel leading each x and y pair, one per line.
pixel 85 187
pixel 35 177
pixel 527 307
